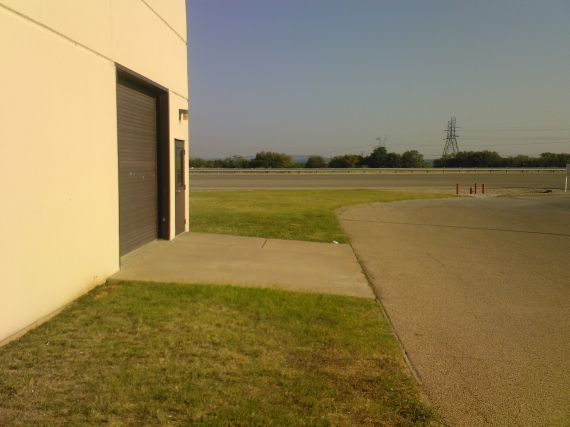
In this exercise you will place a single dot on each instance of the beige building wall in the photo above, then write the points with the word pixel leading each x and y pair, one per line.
pixel 58 139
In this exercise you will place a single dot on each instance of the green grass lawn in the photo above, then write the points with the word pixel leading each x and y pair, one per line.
pixel 166 354
pixel 282 214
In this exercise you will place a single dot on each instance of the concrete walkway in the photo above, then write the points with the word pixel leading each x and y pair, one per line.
pixel 479 292
pixel 248 261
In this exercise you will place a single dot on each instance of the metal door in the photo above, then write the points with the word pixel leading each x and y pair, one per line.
pixel 180 185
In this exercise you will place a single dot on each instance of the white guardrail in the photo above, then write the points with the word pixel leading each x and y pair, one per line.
pixel 375 171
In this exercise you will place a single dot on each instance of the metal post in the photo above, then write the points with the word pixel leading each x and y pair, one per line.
pixel 475 188
pixel 482 188
pixel 457 189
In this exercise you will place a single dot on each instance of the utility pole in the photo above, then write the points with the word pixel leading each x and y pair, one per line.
pixel 451 148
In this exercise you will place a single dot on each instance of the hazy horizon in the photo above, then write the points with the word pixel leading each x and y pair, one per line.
pixel 329 77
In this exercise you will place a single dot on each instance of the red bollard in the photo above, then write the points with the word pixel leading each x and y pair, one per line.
pixel 475 188
pixel 457 189
pixel 482 188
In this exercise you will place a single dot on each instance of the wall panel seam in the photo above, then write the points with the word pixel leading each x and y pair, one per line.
pixel 181 96
pixel 165 22
pixel 46 27
pixel 69 39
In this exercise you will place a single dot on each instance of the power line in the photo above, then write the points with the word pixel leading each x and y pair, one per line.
pixel 495 147
pixel 517 129
pixel 519 143
pixel 534 138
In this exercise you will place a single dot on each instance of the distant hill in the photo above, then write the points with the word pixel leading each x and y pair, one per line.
pixel 299 158
pixel 302 158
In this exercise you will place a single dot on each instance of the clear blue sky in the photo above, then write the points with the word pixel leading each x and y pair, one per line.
pixel 329 76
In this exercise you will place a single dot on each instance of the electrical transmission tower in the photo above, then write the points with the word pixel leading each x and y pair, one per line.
pixel 451 148
pixel 381 142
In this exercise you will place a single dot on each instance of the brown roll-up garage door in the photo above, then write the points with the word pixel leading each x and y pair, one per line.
pixel 137 139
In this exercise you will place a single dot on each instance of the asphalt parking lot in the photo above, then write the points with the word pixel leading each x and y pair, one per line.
pixel 478 290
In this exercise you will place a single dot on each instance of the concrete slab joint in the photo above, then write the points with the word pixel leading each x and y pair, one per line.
pixel 248 261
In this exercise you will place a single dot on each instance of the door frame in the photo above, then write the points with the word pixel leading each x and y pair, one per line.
pixel 131 78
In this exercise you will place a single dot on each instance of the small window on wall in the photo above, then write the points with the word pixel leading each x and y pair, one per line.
pixel 179 163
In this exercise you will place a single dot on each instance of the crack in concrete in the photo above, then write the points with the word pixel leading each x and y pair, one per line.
pixel 462 227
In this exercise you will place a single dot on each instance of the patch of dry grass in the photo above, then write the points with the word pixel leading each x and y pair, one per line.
pixel 166 354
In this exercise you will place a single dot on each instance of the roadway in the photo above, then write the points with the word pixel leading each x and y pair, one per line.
pixel 444 182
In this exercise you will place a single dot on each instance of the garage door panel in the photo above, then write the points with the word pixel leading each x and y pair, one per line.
pixel 138 189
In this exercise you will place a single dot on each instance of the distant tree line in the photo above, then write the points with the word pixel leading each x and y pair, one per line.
pixel 263 159
pixel 378 158
pixel 381 158
pixel 492 159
